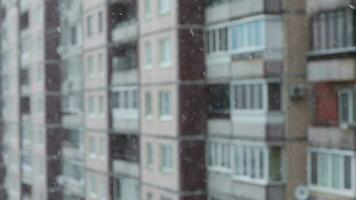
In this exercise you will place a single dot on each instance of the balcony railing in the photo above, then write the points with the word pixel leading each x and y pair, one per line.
pixel 125 31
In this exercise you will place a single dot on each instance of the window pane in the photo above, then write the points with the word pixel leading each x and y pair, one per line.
pixel 314 168
pixel 347 172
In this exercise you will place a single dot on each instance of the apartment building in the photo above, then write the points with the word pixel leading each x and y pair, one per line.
pixel 124 115
pixel 70 49
pixel 177 99
pixel 30 93
pixel 331 146
pixel 173 99
pixel 256 125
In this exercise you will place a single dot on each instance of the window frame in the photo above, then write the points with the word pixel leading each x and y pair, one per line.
pixel 166 158
pixel 165 45
pixel 166 9
pixel 351 98
pixel 329 153
pixel 162 105
pixel 265 96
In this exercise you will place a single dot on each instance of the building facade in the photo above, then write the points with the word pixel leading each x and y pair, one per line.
pixel 177 99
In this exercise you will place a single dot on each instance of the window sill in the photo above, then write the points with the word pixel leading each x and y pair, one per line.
pixel 340 192
pixel 333 52
pixel 149 117
pixel 221 170
pixel 347 126
pixel 163 13
pixel 261 182
pixel 165 65
pixel 167 170
pixel 149 166
pixel 165 118
pixel 147 67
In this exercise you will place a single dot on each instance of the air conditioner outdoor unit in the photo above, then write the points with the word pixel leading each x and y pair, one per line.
pixel 297 91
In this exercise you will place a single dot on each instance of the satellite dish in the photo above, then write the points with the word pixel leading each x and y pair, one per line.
pixel 301 193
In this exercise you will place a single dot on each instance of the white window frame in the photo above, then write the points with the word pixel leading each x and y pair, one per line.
pixel 247 48
pixel 148 9
pixel 90 25
pixel 166 158
pixel 92 147
pixel 101 64
pixel 148 105
pixel 342 192
pixel 162 104
pixel 216 148
pixel 164 7
pixel 149 161
pixel 130 112
pixel 91 106
pixel 148 56
pixel 91 66
pixel 165 45
pixel 351 98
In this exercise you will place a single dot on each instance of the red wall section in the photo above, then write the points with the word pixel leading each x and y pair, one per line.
pixel 326 104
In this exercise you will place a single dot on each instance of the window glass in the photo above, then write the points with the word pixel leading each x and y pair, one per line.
pixel 165 104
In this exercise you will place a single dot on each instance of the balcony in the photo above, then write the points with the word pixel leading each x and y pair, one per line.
pixel 225 10
pixel 124 64
pixel 72 186
pixel 127 168
pixel 72 153
pixel 27 174
pixel 333 69
pixel 331 137
pixel 125 31
pixel 241 189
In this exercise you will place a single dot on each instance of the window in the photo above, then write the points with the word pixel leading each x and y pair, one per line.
pixel 100 21
pixel 92 146
pixel 219 98
pixel 165 104
pixel 90 64
pixel 73 35
pixel 148 55
pixel 90 26
pixel 347 108
pixel 252 95
pixel 24 77
pixel 116 99
pixel 93 184
pixel 148 9
pixel 101 105
pixel 165 52
pixel 24 21
pixel 332 30
pixel 149 196
pixel 217 40
pixel 331 170
pixel 149 155
pixel 252 162
pixel 248 96
pixel 91 105
pixel 148 105
pixel 101 64
pixel 102 147
pixel 125 100
pixel 134 99
pixel 248 36
pixel 164 6
pixel 166 157
pixel 219 156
